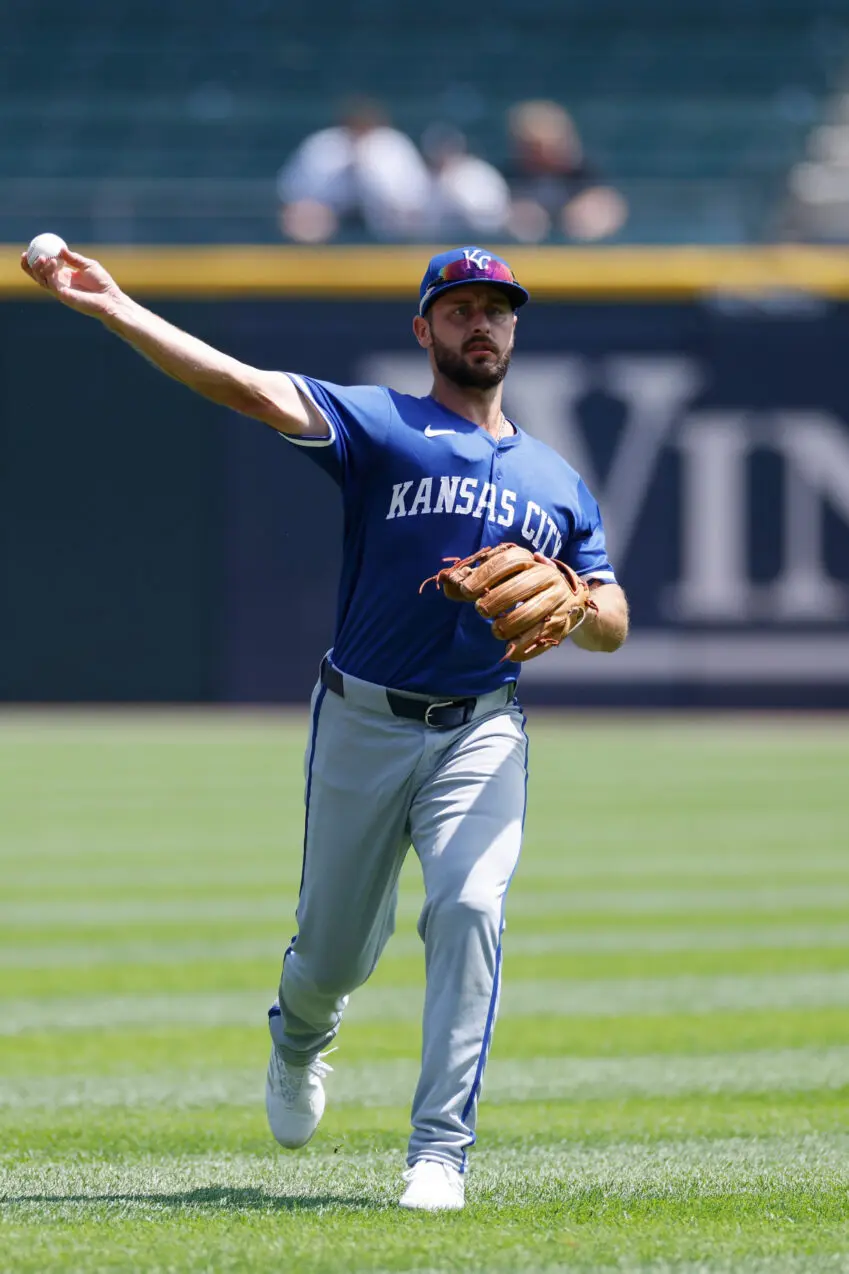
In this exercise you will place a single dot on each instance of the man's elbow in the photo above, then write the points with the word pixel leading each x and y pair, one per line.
pixel 603 637
pixel 617 632
pixel 611 642
pixel 605 623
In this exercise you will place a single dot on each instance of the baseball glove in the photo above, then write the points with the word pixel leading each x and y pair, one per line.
pixel 533 601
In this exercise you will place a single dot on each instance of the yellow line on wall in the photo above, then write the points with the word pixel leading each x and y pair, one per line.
pixel 394 273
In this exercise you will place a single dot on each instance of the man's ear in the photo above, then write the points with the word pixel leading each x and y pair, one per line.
pixel 421 330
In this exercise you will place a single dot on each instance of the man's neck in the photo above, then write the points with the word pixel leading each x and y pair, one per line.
pixel 481 406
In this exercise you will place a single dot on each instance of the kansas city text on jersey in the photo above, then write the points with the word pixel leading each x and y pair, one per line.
pixel 470 497
pixel 398 458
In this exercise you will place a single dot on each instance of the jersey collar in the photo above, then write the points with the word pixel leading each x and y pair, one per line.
pixel 471 427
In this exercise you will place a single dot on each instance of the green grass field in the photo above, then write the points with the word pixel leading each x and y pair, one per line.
pixel 669 1082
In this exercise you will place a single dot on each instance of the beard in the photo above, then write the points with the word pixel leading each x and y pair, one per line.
pixel 455 368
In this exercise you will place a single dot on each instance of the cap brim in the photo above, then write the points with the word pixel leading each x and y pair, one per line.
pixel 517 294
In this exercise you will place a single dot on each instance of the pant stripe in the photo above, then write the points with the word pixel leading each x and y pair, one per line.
pixel 493 1000
pixel 319 701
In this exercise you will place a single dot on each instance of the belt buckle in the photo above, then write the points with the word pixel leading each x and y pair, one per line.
pixel 440 703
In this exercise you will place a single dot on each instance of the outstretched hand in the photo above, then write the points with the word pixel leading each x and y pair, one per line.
pixel 77 281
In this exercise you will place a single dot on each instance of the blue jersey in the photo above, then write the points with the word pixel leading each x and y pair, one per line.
pixel 421 484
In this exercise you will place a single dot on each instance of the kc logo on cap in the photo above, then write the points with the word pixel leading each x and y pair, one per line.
pixel 469 265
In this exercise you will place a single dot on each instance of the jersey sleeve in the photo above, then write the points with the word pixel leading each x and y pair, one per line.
pixel 357 419
pixel 586 549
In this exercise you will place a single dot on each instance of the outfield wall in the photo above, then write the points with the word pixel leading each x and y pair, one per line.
pixel 153 547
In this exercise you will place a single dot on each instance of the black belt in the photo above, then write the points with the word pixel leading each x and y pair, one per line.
pixel 440 714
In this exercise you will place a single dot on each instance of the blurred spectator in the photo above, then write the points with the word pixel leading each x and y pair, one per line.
pixel 470 198
pixel 359 175
pixel 817 207
pixel 554 186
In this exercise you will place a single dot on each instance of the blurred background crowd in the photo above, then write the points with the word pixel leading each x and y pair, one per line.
pixel 575 121
pixel 364 177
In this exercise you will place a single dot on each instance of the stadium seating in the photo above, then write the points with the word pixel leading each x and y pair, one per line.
pixel 696 114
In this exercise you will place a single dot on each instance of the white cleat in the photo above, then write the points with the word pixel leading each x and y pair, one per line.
pixel 294 1098
pixel 433 1187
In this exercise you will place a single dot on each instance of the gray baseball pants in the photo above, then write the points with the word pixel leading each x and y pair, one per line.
pixel 375 784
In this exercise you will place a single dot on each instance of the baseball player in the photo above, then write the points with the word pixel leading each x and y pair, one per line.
pixel 416 735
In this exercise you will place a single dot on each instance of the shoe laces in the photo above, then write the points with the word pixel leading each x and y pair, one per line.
pixel 319 1067
pixel 290 1078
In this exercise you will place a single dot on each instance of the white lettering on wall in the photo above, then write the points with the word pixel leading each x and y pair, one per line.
pixel 713 451
pixel 715 583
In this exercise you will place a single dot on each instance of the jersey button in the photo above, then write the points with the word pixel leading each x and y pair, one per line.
pixel 498 473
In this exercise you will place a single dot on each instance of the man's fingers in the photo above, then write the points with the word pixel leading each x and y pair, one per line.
pixel 50 270
pixel 55 274
pixel 74 258
pixel 36 272
pixel 45 272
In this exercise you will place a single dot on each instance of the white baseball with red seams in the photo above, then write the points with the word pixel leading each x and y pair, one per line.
pixel 45 245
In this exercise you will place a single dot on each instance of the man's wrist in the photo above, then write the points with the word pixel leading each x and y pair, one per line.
pixel 116 312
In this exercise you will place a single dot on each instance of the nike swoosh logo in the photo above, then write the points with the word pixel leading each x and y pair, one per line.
pixel 430 432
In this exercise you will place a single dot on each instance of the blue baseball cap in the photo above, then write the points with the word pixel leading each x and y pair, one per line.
pixel 469 265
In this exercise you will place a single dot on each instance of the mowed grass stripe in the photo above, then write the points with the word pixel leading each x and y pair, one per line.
pixel 391 1083
pixel 594 998
pixel 87 904
pixel 231 974
pixel 167 863
pixel 788 899
pixel 277 930
pixel 107 1132
pixel 708 1168
pixel 787 938
pixel 249 1229
pixel 203 1049
pixel 822 1263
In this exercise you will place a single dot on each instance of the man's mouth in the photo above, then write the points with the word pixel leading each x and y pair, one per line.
pixel 481 347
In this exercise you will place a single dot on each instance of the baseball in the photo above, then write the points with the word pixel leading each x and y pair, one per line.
pixel 45 245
